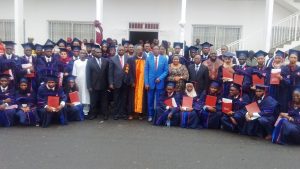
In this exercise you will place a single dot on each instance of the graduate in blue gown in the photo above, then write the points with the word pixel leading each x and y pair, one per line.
pixel 7 99
pixel 261 123
pixel 210 117
pixel 69 67
pixel 50 88
pixel 189 116
pixel 260 70
pixel 74 110
pixel 292 71
pixel 280 91
pixel 287 130
pixel 244 70
pixel 224 81
pixel 26 101
pixel 166 113
pixel 234 120
pixel 177 48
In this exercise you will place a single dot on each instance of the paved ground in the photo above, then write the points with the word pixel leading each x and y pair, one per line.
pixel 137 145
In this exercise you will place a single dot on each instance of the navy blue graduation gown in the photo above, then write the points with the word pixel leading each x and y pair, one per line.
pixel 74 113
pixel 246 72
pixel 225 85
pixel 7 115
pixel 12 64
pixel 32 80
pixel 288 132
pixel 42 64
pixel 42 99
pixel 31 117
pixel 191 119
pixel 161 113
pixel 293 81
pixel 263 125
pixel 238 107
pixel 210 120
pixel 182 60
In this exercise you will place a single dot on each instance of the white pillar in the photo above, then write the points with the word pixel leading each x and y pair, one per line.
pixel 269 23
pixel 182 20
pixel 99 10
pixel 19 25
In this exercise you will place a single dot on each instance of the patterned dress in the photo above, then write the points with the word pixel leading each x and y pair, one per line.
pixel 180 71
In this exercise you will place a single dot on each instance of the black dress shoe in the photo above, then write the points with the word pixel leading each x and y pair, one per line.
pixel 92 117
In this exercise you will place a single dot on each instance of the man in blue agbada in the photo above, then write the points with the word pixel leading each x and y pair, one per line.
pixel 48 114
pixel 261 123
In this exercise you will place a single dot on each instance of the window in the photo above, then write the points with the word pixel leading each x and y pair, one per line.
pixel 218 35
pixel 7 31
pixel 65 29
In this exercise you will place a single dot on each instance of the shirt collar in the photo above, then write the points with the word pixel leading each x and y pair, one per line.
pixel 2 88
pixel 50 88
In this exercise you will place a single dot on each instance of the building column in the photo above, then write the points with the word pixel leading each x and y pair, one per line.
pixel 269 24
pixel 99 10
pixel 19 25
pixel 182 20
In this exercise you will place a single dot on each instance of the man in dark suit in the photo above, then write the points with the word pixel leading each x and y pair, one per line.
pixel 119 82
pixel 97 83
pixel 199 74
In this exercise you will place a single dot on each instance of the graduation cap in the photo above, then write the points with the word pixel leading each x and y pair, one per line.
pixel 104 42
pixel 76 40
pixel 261 86
pixel 76 48
pixel 9 44
pixel 124 42
pixel 50 42
pixel 38 47
pixel 63 50
pixel 178 44
pixel 96 46
pixel 23 80
pixel 228 55
pixel 68 44
pixel 48 47
pixel 279 53
pixel 23 100
pixel 206 45
pixel 236 86
pixel 50 74
pixel 28 46
pixel 112 47
pixel 295 52
pixel 240 53
pixel 193 48
pixel 215 84
pixel 260 53
pixel 171 84
pixel 71 78
pixel 165 44
pixel 61 41
pixel 5 75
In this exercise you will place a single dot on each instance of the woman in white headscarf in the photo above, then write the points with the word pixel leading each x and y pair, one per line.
pixel 189 108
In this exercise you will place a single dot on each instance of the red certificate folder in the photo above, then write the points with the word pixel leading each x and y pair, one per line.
pixel 227 73
pixel 252 108
pixel 274 79
pixel 211 101
pixel 74 97
pixel 187 102
pixel 168 102
pixel 226 105
pixel 53 101
pixel 238 79
pixel 256 80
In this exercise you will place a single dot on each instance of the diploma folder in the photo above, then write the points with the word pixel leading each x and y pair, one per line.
pixel 53 101
pixel 74 97
pixel 227 74
pixel 274 79
pixel 226 105
pixel 256 80
pixel 252 108
pixel 238 79
pixel 187 102
pixel 211 101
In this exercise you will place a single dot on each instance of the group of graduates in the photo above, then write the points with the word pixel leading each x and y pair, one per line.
pixel 193 89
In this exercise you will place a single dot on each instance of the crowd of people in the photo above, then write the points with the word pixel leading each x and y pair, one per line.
pixel 191 87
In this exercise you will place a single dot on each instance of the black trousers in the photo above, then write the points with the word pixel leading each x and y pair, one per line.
pixel 120 100
pixel 99 103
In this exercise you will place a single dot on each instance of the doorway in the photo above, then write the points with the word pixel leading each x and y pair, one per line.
pixel 135 36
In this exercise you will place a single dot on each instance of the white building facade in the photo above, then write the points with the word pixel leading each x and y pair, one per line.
pixel 217 21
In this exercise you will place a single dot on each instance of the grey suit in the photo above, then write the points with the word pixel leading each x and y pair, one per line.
pixel 199 78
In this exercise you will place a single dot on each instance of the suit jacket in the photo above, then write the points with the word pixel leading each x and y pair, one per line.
pixel 117 75
pixel 201 77
pixel 96 77
pixel 151 74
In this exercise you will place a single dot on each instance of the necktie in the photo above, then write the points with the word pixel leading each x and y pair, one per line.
pixel 99 62
pixel 155 62
pixel 121 61
pixel 197 68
